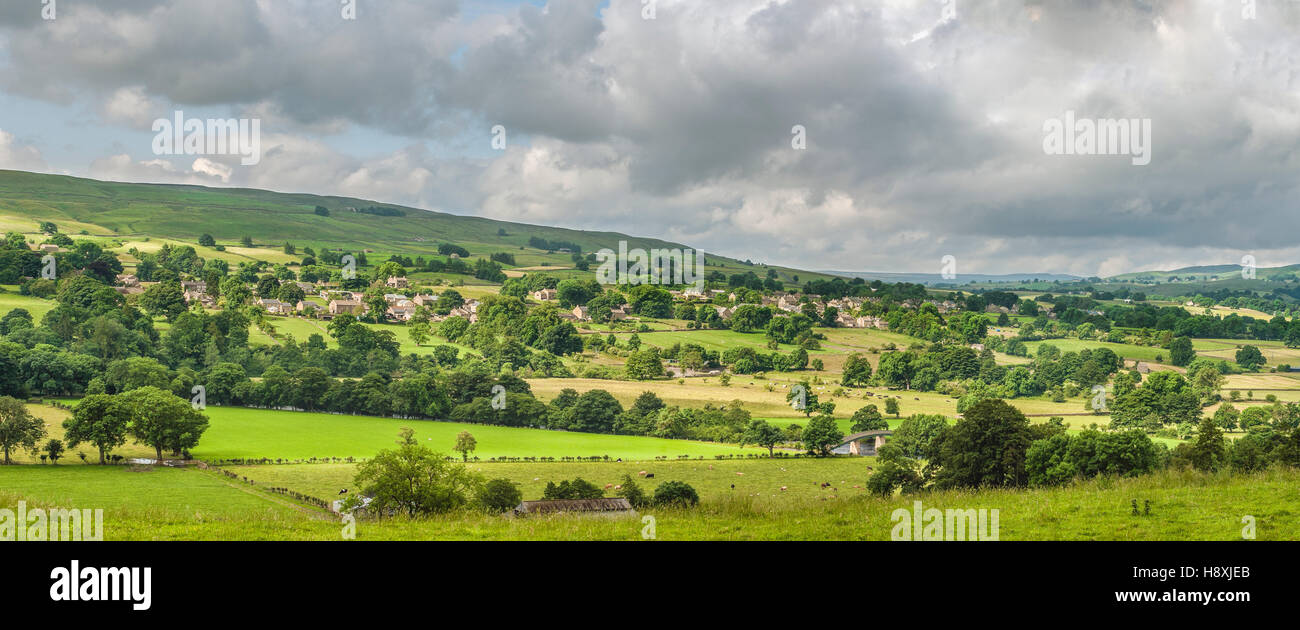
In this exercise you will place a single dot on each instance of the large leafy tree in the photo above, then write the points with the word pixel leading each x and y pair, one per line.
pixel 101 420
pixel 868 418
pixel 1250 358
pixel 821 435
pixel 986 448
pixel 163 420
pixel 1165 398
pixel 764 434
pixel 857 371
pixel 414 480
pixel 18 427
pixel 1181 352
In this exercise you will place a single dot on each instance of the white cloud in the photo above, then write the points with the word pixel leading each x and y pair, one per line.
pixel 19 157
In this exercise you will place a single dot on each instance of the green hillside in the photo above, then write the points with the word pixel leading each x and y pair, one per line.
pixel 183 212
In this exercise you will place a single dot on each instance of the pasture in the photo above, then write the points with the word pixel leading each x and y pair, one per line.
pixel 238 432
pixel 197 505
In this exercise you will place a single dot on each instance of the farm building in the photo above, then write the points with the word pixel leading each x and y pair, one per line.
pixel 604 507
pixel 338 307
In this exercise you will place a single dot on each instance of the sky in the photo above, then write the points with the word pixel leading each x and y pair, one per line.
pixel 818 134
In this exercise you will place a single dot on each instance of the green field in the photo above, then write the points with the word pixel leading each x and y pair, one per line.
pixel 237 432
pixel 158 503
pixel 197 505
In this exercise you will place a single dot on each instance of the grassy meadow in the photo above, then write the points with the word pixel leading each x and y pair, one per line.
pixel 191 504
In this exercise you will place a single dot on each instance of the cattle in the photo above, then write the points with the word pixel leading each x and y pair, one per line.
pixel 642 473
pixel 343 491
pixel 608 486
pixel 649 475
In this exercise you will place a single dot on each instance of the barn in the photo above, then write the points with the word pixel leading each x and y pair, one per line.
pixel 604 507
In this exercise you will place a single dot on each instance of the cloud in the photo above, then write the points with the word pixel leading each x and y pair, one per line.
pixel 19 157
pixel 680 126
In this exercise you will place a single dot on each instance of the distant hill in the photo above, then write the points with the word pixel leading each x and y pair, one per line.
pixel 184 212
pixel 934 279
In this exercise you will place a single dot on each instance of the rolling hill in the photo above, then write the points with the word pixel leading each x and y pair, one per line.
pixel 127 211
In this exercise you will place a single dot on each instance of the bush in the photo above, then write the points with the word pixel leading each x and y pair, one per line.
pixel 579 488
pixel 633 493
pixel 499 495
pixel 675 494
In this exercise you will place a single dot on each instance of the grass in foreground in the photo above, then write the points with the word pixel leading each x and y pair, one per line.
pixel 1185 505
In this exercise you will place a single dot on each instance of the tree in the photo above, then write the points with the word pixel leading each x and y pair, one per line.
pixel 857 371
pixel 499 495
pixel 206 240
pixel 895 470
pixel 1208 449
pixel 1250 358
pixel 985 448
pixel 821 435
pixel 419 332
pixel 1226 417
pixel 1181 352
pixel 414 480
pixel 100 420
pixel 918 435
pixel 631 491
pixel 579 488
pixel 163 420
pixel 165 299
pixel 676 494
pixel 644 365
pixel 54 450
pixel 868 418
pixel 891 406
pixel 18 427
pixel 465 444
pixel 764 434
pixel 896 369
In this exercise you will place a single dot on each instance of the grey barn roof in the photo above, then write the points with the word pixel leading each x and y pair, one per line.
pixel 574 505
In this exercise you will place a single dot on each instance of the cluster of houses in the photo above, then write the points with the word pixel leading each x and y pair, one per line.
pixel 792 303
pixel 580 313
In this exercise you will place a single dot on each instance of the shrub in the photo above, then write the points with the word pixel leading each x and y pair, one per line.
pixel 633 493
pixel 675 494
pixel 499 495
